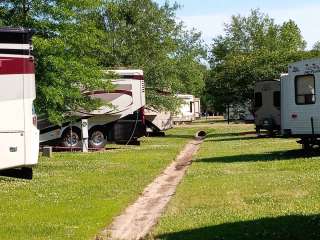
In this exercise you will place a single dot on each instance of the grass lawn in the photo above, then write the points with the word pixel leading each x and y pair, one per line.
pixel 241 187
pixel 74 195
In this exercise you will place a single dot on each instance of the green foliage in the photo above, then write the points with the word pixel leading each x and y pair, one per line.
pixel 316 46
pixel 144 35
pixel 76 39
pixel 254 48
pixel 68 49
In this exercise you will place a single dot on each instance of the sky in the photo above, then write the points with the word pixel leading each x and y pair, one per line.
pixel 209 16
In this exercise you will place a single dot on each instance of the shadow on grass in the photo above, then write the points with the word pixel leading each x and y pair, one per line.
pixel 231 134
pixel 263 157
pixel 210 121
pixel 191 136
pixel 233 139
pixel 186 136
pixel 293 227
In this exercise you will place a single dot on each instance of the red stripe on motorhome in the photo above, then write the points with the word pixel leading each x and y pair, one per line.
pixel 9 65
pixel 104 92
pixel 134 77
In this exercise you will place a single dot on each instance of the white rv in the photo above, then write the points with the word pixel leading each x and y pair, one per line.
pixel 186 112
pixel 157 121
pixel 197 108
pixel 267 106
pixel 121 120
pixel 300 102
pixel 19 136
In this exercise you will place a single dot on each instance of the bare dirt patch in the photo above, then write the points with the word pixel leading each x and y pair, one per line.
pixel 139 218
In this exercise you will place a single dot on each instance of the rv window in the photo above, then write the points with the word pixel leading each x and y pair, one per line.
pixel 305 89
pixel 258 99
pixel 191 107
pixel 276 99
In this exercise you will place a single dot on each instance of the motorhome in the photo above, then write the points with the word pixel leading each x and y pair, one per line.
pixel 186 112
pixel 267 114
pixel 157 121
pixel 300 104
pixel 19 136
pixel 121 120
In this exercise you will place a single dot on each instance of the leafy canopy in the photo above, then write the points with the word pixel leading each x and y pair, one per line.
pixel 144 35
pixel 252 49
pixel 77 38
pixel 68 49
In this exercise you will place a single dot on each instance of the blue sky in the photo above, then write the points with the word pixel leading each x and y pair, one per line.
pixel 208 16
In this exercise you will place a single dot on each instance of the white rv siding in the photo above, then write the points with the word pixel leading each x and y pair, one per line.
pixel 160 119
pixel 186 112
pixel 294 116
pixel 19 138
pixel 197 108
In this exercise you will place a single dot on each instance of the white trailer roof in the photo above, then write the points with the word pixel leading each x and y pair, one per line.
pixel 127 71
pixel 308 66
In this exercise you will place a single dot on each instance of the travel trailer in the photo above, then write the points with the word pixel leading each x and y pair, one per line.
pixel 19 136
pixel 300 115
pixel 157 121
pixel 197 108
pixel 267 106
pixel 120 121
pixel 186 112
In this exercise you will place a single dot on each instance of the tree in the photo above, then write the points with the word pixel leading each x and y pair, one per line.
pixel 68 48
pixel 77 38
pixel 316 46
pixel 253 48
pixel 145 35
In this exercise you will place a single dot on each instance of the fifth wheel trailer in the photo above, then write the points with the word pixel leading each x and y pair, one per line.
pixel 197 108
pixel 300 103
pixel 186 112
pixel 19 136
pixel 157 121
pixel 267 106
pixel 121 122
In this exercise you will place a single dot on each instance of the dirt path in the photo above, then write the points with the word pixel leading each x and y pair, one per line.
pixel 139 218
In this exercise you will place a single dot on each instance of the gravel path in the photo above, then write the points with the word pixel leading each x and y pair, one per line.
pixel 139 218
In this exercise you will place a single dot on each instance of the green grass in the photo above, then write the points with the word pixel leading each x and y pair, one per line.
pixel 74 195
pixel 241 187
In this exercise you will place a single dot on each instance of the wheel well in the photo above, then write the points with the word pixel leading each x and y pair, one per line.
pixel 100 128
pixel 74 129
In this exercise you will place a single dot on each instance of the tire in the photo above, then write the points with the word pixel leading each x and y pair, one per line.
pixel 306 146
pixel 71 138
pixel 271 133
pixel 258 130
pixel 97 139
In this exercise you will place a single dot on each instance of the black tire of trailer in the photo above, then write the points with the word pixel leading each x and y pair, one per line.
pixel 258 130
pixel 76 135
pixel 97 137
pixel 307 144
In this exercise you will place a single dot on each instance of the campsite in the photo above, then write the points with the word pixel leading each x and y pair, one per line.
pixel 159 119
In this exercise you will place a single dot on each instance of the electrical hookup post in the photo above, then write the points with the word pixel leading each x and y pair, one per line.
pixel 85 135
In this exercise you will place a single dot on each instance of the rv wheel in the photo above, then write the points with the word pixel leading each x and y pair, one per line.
pixel 97 139
pixel 71 138
pixel 306 146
